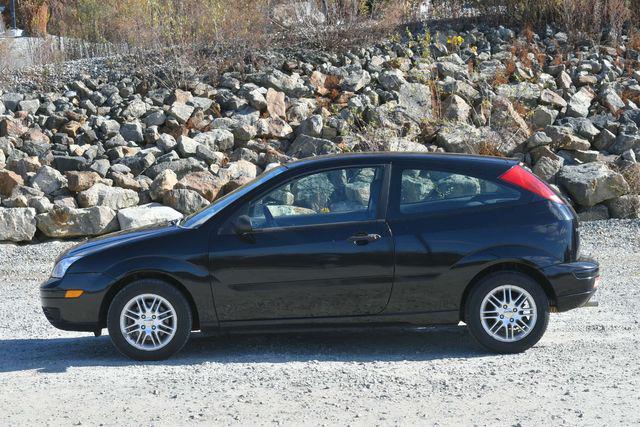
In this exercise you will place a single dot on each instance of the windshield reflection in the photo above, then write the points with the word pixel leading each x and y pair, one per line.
pixel 204 214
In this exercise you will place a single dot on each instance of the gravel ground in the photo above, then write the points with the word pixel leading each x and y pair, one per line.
pixel 585 371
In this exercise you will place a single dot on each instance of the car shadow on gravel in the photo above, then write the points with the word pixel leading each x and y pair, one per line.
pixel 58 354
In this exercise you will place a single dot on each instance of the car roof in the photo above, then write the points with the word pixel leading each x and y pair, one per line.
pixel 454 160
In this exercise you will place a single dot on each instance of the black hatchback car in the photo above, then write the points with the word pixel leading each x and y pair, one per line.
pixel 347 240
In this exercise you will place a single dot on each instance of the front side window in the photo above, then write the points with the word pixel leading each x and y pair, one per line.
pixel 423 191
pixel 337 195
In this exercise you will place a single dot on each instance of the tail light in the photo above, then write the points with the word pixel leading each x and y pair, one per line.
pixel 522 178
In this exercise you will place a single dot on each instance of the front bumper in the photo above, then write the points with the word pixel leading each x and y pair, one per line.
pixel 573 283
pixel 75 314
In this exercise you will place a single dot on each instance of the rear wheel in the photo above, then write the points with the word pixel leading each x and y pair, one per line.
pixel 149 320
pixel 507 312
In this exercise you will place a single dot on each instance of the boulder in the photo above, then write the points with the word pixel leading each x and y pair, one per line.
pixel 8 181
pixel 29 105
pixel 181 112
pixel 307 146
pixel 456 109
pixel 548 167
pixel 80 181
pixel 276 106
pixel 592 183
pixel 204 183
pixel 415 100
pixel 580 102
pixel 216 139
pixel 103 195
pixel 391 79
pixel 70 222
pixel 184 201
pixel 49 180
pixel 543 117
pixel 548 97
pixel 163 183
pixel 627 206
pixel 144 215
pixel 181 167
pixel 17 224
pixel 132 131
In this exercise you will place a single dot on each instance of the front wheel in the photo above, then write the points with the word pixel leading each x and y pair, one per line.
pixel 149 320
pixel 507 312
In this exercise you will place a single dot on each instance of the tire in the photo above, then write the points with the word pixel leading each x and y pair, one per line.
pixel 526 328
pixel 171 320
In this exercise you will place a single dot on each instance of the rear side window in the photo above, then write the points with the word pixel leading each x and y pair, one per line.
pixel 423 191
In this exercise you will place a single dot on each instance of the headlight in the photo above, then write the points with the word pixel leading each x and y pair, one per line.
pixel 61 266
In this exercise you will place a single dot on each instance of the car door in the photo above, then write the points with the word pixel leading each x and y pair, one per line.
pixel 437 217
pixel 318 247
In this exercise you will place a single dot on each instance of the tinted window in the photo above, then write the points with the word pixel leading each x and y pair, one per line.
pixel 425 191
pixel 338 195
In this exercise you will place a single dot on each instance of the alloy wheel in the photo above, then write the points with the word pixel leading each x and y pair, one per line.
pixel 148 322
pixel 508 313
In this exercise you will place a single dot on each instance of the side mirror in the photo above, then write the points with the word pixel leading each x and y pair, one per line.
pixel 242 225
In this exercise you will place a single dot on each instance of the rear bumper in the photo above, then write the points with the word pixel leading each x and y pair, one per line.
pixel 573 283
pixel 74 314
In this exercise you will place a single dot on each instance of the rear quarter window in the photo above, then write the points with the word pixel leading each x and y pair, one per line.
pixel 424 191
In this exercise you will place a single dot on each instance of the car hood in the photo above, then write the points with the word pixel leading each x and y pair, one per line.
pixel 119 238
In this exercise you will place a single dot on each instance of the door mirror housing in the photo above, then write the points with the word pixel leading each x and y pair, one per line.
pixel 242 225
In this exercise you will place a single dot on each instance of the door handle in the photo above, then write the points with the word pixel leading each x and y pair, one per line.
pixel 364 238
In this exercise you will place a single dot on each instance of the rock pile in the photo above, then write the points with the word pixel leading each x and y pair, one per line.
pixel 116 153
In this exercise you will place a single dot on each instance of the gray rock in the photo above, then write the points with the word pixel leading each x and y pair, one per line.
pixel 391 79
pixel 184 201
pixel 181 167
pixel 216 139
pixel 627 206
pixel 311 126
pixel 166 142
pixel 110 128
pixel 307 146
pixel 135 110
pixel 181 112
pixel 549 97
pixel 543 116
pixel 70 222
pixel 610 99
pixel 48 180
pixel 132 131
pixel 580 102
pixel 547 168
pixel 144 215
pixel 187 147
pixel 456 109
pixel 11 100
pixel 112 197
pixel 17 224
pixel 415 99
pixel 592 183
pixel 404 144
pixel 356 79
pixel 525 92
pixel 155 118
pixel 538 139
pixel 29 105
pixel 624 142
pixel 101 167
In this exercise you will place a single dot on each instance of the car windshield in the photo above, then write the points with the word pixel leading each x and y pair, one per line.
pixel 204 214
